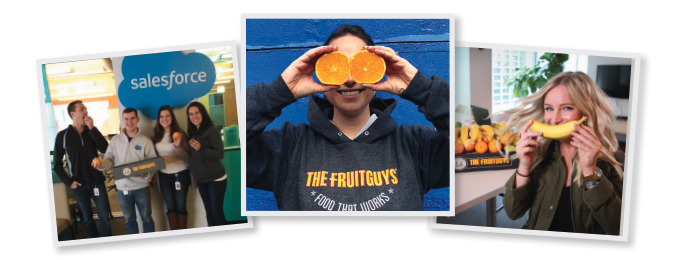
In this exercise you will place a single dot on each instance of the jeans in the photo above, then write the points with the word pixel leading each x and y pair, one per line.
pixel 141 198
pixel 84 195
pixel 213 196
pixel 176 200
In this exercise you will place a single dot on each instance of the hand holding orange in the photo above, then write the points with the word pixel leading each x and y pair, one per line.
pixel 97 163
pixel 298 75
pixel 399 72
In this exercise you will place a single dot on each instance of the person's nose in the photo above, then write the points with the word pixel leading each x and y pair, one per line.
pixel 350 82
pixel 557 119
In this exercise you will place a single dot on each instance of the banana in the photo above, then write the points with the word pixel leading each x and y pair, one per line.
pixel 457 133
pixel 555 131
pixel 487 129
pixel 501 125
pixel 475 132
pixel 464 133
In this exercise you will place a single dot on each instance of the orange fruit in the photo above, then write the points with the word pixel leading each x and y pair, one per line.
pixel 367 67
pixel 459 148
pixel 469 145
pixel 96 160
pixel 333 68
pixel 504 138
pixel 176 135
pixel 493 146
pixel 481 147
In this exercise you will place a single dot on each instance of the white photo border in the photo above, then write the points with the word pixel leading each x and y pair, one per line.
pixel 628 161
pixel 46 148
pixel 242 112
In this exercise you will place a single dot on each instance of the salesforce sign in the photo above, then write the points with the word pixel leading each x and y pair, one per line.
pixel 170 78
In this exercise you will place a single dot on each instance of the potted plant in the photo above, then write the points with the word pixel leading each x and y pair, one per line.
pixel 529 79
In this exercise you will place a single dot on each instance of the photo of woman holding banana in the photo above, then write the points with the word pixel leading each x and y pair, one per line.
pixel 570 174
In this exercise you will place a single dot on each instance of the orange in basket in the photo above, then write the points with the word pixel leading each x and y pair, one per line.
pixel 333 68
pixel 367 67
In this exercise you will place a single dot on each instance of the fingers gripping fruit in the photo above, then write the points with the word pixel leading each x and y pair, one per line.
pixel 555 131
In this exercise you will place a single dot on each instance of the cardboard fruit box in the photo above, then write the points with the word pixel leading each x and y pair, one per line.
pixel 470 162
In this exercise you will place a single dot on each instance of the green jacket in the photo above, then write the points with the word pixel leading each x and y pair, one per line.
pixel 595 211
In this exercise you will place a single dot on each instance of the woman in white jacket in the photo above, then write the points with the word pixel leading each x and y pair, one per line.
pixel 171 143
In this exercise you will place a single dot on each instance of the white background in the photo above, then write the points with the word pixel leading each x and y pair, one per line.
pixel 31 31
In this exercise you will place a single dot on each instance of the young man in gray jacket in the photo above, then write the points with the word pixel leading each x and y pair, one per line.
pixel 129 147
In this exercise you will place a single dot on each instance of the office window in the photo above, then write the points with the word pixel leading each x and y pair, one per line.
pixel 504 63
pixel 500 74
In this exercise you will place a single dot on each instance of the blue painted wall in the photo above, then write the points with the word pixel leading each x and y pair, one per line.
pixel 272 44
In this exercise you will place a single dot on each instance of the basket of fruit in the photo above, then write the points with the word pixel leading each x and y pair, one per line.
pixel 481 148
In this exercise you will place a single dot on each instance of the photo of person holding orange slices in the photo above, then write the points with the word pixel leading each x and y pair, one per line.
pixel 352 156
pixel 570 174
pixel 171 143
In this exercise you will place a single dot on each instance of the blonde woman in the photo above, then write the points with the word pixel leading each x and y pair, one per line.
pixel 572 184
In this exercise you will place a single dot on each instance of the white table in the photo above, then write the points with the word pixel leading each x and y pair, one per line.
pixel 472 188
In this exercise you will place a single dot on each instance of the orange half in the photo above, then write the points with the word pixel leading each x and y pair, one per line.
pixel 333 68
pixel 367 67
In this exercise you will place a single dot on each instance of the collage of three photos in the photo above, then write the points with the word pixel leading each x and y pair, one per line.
pixel 338 117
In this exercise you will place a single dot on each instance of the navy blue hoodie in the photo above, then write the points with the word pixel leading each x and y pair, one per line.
pixel 316 167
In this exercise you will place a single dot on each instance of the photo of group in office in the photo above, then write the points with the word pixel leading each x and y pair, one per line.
pixel 143 143
pixel 543 135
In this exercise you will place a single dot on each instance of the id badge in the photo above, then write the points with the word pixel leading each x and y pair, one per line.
pixel 178 186
pixel 96 191
pixel 125 192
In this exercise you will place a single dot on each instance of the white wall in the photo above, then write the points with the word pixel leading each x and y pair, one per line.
pixel 594 61
pixel 462 82
pixel 620 107
pixel 481 77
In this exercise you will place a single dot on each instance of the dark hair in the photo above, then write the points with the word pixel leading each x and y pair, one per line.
pixel 206 122
pixel 354 30
pixel 159 131
pixel 72 107
pixel 130 110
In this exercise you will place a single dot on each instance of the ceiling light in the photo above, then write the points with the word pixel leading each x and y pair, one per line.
pixel 74 98
pixel 75 84
pixel 59 70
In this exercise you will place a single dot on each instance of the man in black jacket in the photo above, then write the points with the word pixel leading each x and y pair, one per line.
pixel 80 142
